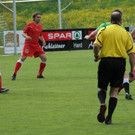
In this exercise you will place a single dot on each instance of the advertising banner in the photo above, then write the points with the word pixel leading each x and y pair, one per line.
pixel 9 42
pixel 71 39
pixel 65 39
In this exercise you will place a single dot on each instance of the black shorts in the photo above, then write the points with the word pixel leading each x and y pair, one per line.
pixel 111 70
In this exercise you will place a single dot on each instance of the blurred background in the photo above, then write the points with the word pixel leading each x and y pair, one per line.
pixel 75 13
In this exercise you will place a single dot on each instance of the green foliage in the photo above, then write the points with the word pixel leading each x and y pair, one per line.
pixel 80 14
pixel 7 16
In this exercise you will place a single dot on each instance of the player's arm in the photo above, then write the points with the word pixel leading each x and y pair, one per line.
pixel 130 48
pixel 27 37
pixel 92 34
pixel 43 40
pixel 132 65
pixel 97 45
pixel 25 31
pixel 96 49
pixel 133 34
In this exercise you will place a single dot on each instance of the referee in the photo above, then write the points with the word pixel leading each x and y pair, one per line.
pixel 114 43
pixel 126 79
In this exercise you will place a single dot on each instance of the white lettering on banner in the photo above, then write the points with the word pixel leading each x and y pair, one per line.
pixel 56 35
pixel 62 36
pixel 77 45
pixel 54 46
pixel 59 35
pixel 69 35
pixel 50 36
pixel 90 45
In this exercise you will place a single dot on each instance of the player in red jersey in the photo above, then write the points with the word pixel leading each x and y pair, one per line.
pixel 32 33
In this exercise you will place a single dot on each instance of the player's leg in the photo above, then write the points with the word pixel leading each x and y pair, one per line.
pixel 2 90
pixel 125 80
pixel 112 105
pixel 126 87
pixel 103 80
pixel 42 65
pixel 18 65
pixel 118 69
pixel 102 98
pixel 27 51
pixel 39 52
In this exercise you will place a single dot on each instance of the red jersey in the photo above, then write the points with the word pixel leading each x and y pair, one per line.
pixel 34 31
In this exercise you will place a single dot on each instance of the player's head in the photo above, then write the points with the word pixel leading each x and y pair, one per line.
pixel 36 17
pixel 116 18
pixel 117 10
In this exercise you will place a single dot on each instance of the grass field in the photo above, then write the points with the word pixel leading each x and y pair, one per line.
pixel 64 103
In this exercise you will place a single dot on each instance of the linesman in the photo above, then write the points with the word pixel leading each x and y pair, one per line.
pixel 115 43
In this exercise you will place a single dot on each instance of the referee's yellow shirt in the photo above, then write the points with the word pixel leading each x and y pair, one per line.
pixel 114 42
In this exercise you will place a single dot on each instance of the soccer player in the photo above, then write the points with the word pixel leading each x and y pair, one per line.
pixel 32 33
pixel 2 90
pixel 126 80
pixel 115 43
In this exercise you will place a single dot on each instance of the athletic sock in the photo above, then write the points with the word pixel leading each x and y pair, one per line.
pixel 42 67
pixel 102 96
pixel 111 106
pixel 126 87
pixel 18 65
pixel 0 82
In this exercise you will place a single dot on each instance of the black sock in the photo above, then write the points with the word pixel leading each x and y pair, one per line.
pixel 111 106
pixel 102 96
pixel 126 87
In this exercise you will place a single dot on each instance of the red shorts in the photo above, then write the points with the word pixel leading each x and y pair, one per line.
pixel 29 50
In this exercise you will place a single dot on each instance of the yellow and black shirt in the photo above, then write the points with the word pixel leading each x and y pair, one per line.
pixel 114 42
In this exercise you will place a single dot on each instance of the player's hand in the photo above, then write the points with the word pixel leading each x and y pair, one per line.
pixel 96 58
pixel 29 38
pixel 131 76
pixel 44 44
pixel 87 37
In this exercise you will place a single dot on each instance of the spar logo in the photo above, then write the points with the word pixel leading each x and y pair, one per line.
pixel 76 35
pixel 62 35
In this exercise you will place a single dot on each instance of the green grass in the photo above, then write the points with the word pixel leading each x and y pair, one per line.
pixel 64 103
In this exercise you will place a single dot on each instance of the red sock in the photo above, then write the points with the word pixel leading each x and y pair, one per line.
pixel 17 67
pixel 41 69
pixel 0 82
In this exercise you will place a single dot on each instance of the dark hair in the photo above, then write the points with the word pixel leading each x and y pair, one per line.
pixel 116 18
pixel 117 10
pixel 35 14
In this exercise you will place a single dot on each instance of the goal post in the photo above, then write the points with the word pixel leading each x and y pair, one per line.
pixel 8 20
